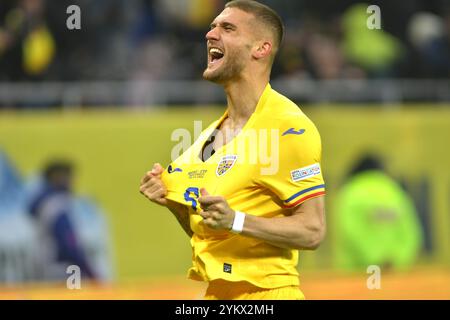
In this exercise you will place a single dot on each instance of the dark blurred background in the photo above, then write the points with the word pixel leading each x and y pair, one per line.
pixel 143 47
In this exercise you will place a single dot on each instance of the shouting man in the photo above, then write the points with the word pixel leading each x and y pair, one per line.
pixel 247 214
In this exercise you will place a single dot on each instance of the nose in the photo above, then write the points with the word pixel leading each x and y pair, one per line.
pixel 212 34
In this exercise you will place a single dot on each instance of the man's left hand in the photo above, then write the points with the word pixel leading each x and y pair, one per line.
pixel 216 212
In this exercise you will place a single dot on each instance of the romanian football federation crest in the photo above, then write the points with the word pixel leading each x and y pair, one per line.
pixel 225 164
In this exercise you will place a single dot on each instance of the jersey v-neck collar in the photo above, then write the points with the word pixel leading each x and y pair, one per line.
pixel 259 108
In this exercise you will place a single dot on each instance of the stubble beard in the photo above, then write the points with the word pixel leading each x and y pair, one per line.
pixel 228 71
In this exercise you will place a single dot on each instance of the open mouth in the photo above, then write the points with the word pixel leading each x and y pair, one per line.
pixel 215 54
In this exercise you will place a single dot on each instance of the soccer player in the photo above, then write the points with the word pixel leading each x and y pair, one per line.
pixel 247 214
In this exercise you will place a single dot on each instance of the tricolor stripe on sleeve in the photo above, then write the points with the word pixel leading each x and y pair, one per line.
pixel 303 195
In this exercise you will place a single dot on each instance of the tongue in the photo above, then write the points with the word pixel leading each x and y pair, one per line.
pixel 216 56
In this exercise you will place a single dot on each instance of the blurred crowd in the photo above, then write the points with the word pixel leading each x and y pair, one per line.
pixel 164 40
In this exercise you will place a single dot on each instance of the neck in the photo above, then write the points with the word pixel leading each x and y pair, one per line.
pixel 243 96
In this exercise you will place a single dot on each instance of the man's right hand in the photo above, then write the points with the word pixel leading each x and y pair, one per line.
pixel 152 186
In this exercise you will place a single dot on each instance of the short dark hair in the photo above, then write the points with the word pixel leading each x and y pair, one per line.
pixel 57 167
pixel 367 162
pixel 262 12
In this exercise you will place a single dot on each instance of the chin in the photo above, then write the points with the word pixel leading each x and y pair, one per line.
pixel 212 76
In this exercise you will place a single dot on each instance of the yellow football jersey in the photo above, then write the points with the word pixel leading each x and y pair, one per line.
pixel 271 165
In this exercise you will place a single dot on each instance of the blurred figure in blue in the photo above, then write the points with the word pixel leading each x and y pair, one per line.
pixel 51 208
pixel 11 184
pixel 376 220
pixel 17 232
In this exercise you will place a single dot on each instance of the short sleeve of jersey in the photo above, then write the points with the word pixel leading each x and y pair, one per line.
pixel 299 174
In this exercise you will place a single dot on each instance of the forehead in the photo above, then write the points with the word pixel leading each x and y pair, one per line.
pixel 234 16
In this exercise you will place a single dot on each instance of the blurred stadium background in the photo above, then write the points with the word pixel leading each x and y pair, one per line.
pixel 109 96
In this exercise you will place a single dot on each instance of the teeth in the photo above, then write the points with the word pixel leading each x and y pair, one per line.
pixel 215 50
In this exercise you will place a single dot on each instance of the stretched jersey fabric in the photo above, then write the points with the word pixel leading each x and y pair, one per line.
pixel 273 164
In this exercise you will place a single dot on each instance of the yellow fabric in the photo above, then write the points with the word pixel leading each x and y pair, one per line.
pixel 250 189
pixel 201 12
pixel 225 290
pixel 38 50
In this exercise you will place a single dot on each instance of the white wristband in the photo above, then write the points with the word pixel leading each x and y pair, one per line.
pixel 238 223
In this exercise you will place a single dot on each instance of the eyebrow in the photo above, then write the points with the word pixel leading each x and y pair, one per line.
pixel 223 24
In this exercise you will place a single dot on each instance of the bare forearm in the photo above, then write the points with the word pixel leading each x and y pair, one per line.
pixel 181 213
pixel 285 232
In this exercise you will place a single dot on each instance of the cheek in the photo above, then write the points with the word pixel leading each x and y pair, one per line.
pixel 247 50
pixel 241 52
pixel 252 52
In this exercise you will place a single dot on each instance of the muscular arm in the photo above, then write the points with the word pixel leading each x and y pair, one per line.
pixel 304 229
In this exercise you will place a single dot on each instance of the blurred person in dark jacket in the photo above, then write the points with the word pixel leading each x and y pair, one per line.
pixel 51 209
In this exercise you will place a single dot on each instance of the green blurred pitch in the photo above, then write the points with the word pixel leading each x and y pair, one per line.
pixel 113 149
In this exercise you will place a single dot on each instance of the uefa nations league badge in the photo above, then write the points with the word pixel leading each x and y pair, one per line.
pixel 225 164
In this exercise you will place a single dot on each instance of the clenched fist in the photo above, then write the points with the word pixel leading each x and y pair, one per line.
pixel 216 212
pixel 152 187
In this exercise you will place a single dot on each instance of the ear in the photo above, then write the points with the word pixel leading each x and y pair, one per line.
pixel 262 49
